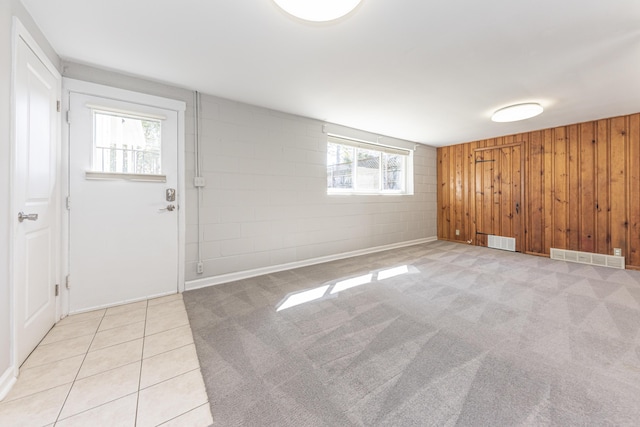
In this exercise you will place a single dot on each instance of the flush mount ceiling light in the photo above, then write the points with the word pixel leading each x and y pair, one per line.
pixel 318 10
pixel 513 113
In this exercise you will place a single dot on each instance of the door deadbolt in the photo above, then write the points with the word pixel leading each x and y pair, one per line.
pixel 170 194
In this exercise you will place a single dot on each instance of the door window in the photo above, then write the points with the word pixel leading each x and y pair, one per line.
pixel 125 143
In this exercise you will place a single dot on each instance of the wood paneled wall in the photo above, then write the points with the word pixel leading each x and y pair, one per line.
pixel 581 188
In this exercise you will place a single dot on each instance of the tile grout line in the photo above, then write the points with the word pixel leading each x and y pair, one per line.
pixel 89 350
pixel 168 351
pixel 70 325
pixel 128 341
pixel 84 355
pixel 91 409
pixel 107 370
pixel 52 361
pixel 170 378
pixel 144 336
pixel 166 330
pixel 113 345
pixel 39 366
pixel 184 413
pixel 206 403
pixel 79 368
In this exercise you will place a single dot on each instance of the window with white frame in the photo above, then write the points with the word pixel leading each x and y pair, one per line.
pixel 126 143
pixel 362 167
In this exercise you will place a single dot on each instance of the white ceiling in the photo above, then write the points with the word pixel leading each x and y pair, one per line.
pixel 430 71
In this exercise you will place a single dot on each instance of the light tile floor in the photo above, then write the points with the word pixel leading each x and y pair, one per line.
pixel 131 365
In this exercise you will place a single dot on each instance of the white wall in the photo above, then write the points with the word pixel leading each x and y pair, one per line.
pixel 91 74
pixel 8 9
pixel 266 202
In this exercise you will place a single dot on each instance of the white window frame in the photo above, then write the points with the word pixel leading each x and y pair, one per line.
pixel 96 173
pixel 382 149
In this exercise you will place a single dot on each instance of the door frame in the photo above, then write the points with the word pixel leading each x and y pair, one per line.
pixel 21 32
pixel 87 88
pixel 523 192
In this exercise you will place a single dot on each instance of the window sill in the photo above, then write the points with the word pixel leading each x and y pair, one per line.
pixel 364 193
pixel 125 176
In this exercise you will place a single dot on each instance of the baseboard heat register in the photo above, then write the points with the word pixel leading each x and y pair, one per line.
pixel 588 258
pixel 504 243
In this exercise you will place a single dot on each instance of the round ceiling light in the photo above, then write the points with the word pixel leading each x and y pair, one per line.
pixel 318 10
pixel 513 113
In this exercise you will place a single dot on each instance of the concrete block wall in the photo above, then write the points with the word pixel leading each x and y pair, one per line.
pixel 265 202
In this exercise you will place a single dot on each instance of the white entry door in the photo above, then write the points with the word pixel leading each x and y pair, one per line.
pixel 35 199
pixel 123 179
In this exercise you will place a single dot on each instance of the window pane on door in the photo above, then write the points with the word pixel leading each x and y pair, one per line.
pixel 126 144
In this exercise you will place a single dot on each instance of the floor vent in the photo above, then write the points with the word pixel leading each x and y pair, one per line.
pixel 504 243
pixel 588 258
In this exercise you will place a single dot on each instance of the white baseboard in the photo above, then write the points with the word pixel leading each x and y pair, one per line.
pixel 7 380
pixel 115 304
pixel 232 277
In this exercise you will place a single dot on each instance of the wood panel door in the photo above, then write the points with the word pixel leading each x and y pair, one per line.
pixel 499 204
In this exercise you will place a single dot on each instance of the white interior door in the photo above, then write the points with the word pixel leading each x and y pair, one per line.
pixel 35 199
pixel 123 227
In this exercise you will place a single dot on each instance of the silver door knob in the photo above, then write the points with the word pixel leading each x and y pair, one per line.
pixel 31 217
pixel 169 208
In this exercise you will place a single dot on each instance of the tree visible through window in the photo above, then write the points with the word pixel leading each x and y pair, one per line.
pixel 361 167
pixel 340 166
pixel 126 144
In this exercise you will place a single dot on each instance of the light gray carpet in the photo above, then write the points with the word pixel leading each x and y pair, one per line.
pixel 466 336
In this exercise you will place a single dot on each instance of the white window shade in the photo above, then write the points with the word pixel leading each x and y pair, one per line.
pixel 368 145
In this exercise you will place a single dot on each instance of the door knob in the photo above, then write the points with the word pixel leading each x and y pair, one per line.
pixel 169 208
pixel 31 217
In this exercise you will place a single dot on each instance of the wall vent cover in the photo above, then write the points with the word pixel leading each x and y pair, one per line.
pixel 504 243
pixel 588 258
